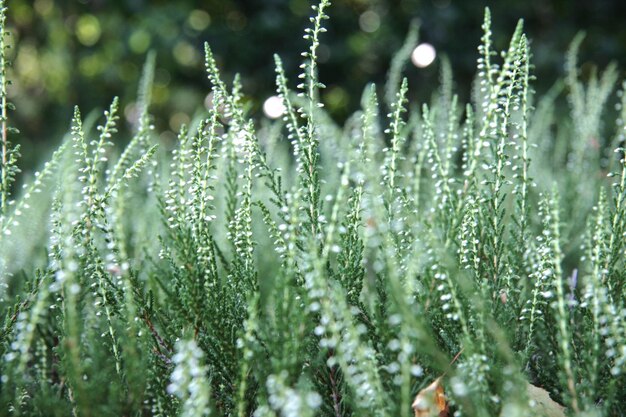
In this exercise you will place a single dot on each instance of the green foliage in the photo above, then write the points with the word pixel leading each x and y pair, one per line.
pixel 298 268
pixel 9 153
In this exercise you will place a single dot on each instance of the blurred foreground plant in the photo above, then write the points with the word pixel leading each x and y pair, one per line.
pixel 300 268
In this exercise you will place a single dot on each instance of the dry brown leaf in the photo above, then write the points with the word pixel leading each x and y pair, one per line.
pixel 431 401
pixel 545 406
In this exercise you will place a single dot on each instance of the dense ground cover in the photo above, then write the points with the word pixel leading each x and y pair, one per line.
pixel 298 267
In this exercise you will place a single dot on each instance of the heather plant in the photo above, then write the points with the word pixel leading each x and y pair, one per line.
pixel 300 268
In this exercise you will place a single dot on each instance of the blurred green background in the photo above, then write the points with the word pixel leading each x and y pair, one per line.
pixel 87 51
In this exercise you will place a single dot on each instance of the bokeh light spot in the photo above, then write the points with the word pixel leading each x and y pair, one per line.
pixel 91 65
pixel 177 120
pixel 88 29
pixel 22 13
pixel 199 20
pixel 369 21
pixel 131 112
pixel 139 41
pixel 423 55
pixel 185 54
pixel 160 94
pixel 28 65
pixel 336 98
pixel 274 107
pixel 43 7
